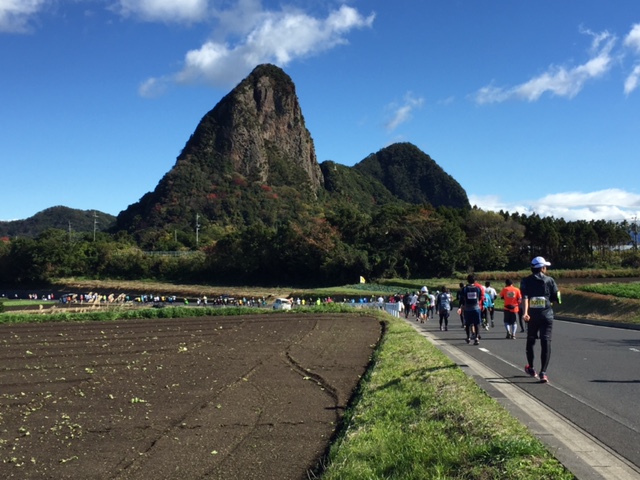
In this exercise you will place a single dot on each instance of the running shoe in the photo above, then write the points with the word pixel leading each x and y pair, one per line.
pixel 530 371
pixel 513 337
pixel 508 335
pixel 468 340
pixel 493 325
pixel 477 342
pixel 543 378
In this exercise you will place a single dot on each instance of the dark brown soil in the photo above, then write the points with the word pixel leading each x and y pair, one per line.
pixel 242 397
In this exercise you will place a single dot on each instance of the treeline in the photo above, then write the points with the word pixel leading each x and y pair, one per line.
pixel 331 249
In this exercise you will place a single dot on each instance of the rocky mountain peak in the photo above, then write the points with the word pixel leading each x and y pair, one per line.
pixel 253 141
pixel 259 132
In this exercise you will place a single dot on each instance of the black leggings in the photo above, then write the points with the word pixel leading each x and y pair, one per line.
pixel 541 327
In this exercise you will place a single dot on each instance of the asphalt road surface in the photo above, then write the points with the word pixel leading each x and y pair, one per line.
pixel 594 379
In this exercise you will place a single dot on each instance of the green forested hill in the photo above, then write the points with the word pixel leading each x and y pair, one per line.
pixel 63 218
pixel 413 176
pixel 349 185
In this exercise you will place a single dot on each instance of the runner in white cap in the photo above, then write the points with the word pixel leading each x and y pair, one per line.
pixel 539 292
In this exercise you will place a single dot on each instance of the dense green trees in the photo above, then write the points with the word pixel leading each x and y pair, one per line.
pixel 335 247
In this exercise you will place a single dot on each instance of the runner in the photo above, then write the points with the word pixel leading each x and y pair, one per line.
pixel 459 300
pixel 423 304
pixel 489 291
pixel 472 298
pixel 406 301
pixel 443 304
pixel 488 307
pixel 414 305
pixel 539 291
pixel 512 299
pixel 432 305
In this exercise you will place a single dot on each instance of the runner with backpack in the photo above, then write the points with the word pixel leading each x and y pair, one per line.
pixel 489 291
pixel 487 311
pixel 423 304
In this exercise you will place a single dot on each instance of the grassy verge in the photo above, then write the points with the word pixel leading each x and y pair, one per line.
pixel 625 290
pixel 598 306
pixel 417 415
pixel 27 303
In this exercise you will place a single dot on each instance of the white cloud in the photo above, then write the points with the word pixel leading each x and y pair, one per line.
pixel 153 87
pixel 15 14
pixel 632 81
pixel 557 80
pixel 164 10
pixel 240 19
pixel 274 37
pixel 611 204
pixel 632 40
pixel 402 113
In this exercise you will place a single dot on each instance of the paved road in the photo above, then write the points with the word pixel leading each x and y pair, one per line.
pixel 594 381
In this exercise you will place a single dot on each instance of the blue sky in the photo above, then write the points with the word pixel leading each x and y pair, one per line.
pixel 531 106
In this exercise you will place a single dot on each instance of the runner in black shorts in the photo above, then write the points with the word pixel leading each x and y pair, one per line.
pixel 471 299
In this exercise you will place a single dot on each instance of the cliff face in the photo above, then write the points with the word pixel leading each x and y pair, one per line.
pixel 250 144
pixel 258 131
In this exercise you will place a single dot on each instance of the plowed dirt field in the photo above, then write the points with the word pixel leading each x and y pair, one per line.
pixel 238 397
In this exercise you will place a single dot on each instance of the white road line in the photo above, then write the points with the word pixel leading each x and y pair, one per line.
pixel 577 398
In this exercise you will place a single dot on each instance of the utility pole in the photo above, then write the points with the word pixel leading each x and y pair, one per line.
pixel 634 232
pixel 69 231
pixel 197 230
pixel 95 224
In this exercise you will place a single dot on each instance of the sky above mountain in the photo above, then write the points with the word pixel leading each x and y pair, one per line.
pixel 531 106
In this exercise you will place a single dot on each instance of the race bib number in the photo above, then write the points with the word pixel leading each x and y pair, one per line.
pixel 472 295
pixel 538 302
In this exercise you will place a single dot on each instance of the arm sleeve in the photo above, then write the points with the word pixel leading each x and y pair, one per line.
pixel 553 291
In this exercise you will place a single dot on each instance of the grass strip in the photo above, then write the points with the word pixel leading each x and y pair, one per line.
pixel 128 312
pixel 625 290
pixel 417 415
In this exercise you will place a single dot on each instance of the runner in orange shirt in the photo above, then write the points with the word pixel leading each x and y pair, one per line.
pixel 512 297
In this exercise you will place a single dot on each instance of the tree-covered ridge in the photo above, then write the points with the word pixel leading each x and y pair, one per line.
pixel 411 175
pixel 347 184
pixel 332 247
pixel 65 218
